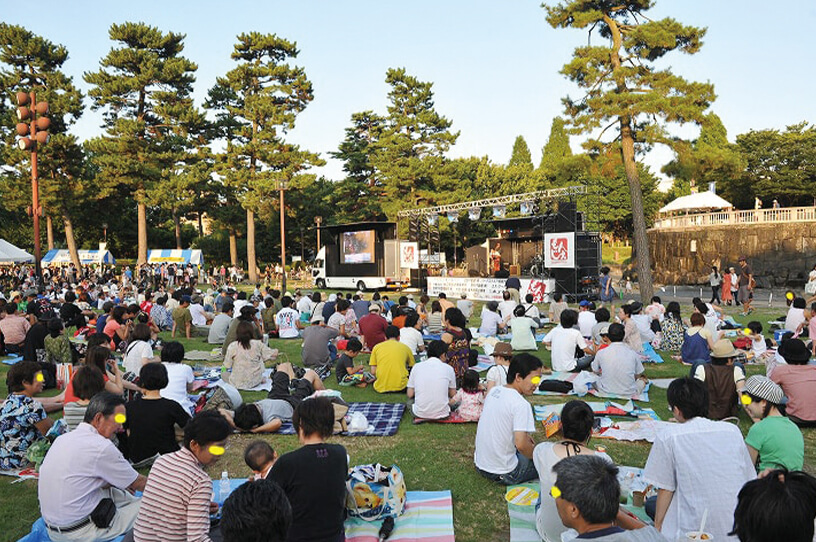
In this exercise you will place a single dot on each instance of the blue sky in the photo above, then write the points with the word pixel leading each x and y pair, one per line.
pixel 494 64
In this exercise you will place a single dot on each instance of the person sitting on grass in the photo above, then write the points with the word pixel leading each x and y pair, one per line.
pixel 87 382
pixel 349 374
pixel 314 476
pixel 759 344
pixel 57 345
pixel 432 383
pixel 23 420
pixel 245 314
pixel 798 380
pixel 565 340
pixel 697 342
pixel 256 512
pixel 318 349
pixel 673 328
pixel 619 367
pixel 523 328
pixel 504 445
pixel 100 357
pixel 179 374
pixel 778 506
pixel 176 503
pixel 723 379
pixel 246 359
pixel 773 439
pixel 469 399
pixel 602 317
pixel 182 318
pixel 221 324
pixel 287 320
pixel 389 363
pixel 268 415
pixel 587 495
pixel 411 333
pixel 497 375
pixel 259 457
pixel 151 419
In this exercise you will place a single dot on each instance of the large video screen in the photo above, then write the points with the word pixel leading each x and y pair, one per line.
pixel 358 247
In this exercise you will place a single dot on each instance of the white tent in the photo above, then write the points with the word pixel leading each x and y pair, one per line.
pixel 182 256
pixel 699 202
pixel 86 257
pixel 10 254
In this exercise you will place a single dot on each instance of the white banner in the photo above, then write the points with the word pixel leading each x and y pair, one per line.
pixel 409 255
pixel 488 289
pixel 559 250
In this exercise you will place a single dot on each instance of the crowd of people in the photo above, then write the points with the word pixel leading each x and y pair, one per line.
pixel 123 419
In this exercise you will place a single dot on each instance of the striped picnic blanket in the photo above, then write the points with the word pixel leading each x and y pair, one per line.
pixel 428 517
pixel 383 419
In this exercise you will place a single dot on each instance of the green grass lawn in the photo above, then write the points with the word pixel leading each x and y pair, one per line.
pixel 431 456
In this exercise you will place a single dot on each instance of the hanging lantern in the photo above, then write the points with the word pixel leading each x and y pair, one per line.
pixel 453 216
pixel 526 208
pixel 498 211
pixel 474 213
pixel 432 218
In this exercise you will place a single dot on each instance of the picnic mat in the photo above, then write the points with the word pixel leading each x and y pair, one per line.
pixel 661 382
pixel 453 418
pixel 483 363
pixel 12 359
pixel 383 419
pixel 643 429
pixel 606 408
pixel 570 377
pixel 428 517
pixel 39 533
pixel 204 355
pixel 522 499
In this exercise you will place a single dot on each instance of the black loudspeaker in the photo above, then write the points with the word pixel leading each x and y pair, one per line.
pixel 567 216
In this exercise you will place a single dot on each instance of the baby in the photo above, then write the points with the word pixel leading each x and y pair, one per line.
pixel 259 456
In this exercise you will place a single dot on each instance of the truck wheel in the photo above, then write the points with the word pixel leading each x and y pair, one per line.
pixel 361 285
pixel 321 284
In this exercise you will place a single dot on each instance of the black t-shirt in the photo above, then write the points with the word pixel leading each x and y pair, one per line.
pixel 34 340
pixel 314 479
pixel 71 315
pixel 343 362
pixel 151 423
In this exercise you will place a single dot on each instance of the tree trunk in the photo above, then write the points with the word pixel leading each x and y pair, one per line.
pixel 252 271
pixel 142 231
pixel 177 224
pixel 641 241
pixel 69 240
pixel 49 229
pixel 233 243
pixel 200 225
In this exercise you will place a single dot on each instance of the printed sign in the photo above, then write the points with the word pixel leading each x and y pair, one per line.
pixel 409 255
pixel 488 289
pixel 559 250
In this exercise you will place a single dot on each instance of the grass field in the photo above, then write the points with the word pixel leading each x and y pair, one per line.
pixel 431 456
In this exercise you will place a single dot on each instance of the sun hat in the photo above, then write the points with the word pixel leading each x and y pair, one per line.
pixel 794 350
pixel 723 349
pixel 764 388
pixel 503 349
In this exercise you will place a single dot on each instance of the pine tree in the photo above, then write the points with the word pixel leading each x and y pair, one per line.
pixel 262 97
pixel 555 151
pixel 521 155
pixel 143 87
pixel 408 157
pixel 30 62
pixel 623 88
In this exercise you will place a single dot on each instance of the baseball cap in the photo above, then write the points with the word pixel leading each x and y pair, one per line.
pixel 373 308
pixel 584 303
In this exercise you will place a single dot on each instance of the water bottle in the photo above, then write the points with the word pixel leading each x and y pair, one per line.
pixel 224 487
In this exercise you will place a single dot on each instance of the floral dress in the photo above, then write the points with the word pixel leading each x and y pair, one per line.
pixel 17 429
pixel 58 349
pixel 673 330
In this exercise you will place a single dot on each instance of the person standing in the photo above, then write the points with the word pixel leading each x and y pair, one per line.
pixel 746 286
pixel 715 280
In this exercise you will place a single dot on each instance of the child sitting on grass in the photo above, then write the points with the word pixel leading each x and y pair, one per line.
pixel 759 344
pixel 259 456
pixel 470 397
pixel 347 373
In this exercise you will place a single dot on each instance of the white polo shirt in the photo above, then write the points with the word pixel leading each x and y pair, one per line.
pixel 78 465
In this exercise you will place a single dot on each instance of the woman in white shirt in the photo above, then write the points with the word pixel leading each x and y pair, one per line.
pixel 796 314
pixel 410 334
pixel 246 358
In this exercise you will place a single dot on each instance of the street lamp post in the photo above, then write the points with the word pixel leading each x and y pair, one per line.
pixel 318 220
pixel 30 135
pixel 282 188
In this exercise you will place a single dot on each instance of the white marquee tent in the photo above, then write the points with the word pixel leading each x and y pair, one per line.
pixel 9 254
pixel 699 202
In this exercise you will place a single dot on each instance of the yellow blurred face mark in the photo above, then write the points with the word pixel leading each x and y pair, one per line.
pixel 555 492
pixel 120 418
pixel 789 295
pixel 747 331
pixel 746 399
pixel 536 380
pixel 40 377
pixel 216 450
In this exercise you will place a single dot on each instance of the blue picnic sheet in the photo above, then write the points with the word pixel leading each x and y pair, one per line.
pixel 383 419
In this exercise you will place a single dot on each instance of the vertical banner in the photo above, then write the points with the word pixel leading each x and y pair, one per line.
pixel 409 255
pixel 559 250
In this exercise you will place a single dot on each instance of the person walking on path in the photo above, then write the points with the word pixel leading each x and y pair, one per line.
pixel 715 281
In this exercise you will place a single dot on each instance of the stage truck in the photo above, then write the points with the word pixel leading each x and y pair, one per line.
pixel 363 255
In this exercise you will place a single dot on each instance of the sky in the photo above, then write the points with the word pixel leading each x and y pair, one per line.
pixel 494 64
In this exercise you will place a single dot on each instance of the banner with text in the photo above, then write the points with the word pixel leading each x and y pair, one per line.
pixel 488 289
pixel 409 255
pixel 559 250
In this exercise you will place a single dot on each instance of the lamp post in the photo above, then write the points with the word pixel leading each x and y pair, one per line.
pixel 105 232
pixel 282 188
pixel 37 129
pixel 318 220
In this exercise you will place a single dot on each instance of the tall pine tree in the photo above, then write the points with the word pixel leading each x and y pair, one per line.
pixel 625 90
pixel 143 87
pixel 357 197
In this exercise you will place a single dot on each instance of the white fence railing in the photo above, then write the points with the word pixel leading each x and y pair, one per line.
pixel 738 218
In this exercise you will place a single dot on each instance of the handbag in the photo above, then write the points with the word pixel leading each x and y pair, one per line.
pixel 102 516
pixel 375 491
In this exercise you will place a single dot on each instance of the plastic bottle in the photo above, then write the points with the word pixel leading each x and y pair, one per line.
pixel 224 488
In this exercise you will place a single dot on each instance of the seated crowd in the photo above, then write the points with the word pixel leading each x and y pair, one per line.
pixel 119 421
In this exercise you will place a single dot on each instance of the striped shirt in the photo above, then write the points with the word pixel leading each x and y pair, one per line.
pixel 176 500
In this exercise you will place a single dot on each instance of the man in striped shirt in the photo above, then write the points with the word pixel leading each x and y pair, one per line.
pixel 176 502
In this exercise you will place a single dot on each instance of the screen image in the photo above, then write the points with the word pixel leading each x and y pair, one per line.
pixel 358 247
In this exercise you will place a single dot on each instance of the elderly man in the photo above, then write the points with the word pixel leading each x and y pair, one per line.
pixel 84 473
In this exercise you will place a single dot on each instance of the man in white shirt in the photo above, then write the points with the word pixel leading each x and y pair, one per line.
pixel 698 466
pixel 410 336
pixel 506 306
pixel 288 320
pixel 504 445
pixel 563 340
pixel 619 367
pixel 465 305
pixel 220 324
pixel 531 310
pixel 200 316
pixel 82 468
pixel 432 383
pixel 586 318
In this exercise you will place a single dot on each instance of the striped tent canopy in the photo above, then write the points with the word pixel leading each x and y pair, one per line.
pixel 182 256
pixel 86 257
